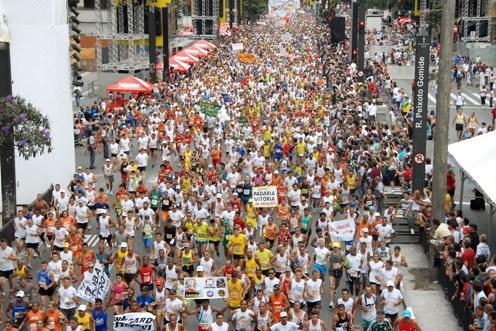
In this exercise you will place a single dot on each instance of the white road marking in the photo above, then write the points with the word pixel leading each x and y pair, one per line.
pixel 431 97
pixel 475 102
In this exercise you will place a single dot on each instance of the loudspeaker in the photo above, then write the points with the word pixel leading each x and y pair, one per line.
pixel 337 29
pixel 478 204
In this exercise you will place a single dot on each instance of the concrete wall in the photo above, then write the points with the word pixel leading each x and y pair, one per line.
pixel 486 51
pixel 41 74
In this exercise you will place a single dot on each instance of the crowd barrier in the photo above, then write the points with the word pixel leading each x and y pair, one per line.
pixel 461 308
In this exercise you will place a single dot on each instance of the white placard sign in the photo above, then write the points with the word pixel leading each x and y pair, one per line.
pixel 95 285
pixel 134 322
pixel 237 47
pixel 343 230
pixel 264 196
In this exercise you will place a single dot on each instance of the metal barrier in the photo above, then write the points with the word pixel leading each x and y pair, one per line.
pixel 7 231
pixel 461 308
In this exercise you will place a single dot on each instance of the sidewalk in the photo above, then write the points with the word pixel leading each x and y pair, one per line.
pixel 425 298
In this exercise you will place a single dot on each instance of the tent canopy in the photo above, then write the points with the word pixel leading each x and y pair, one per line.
pixel 175 64
pixel 131 84
pixel 204 44
pixel 196 51
pixel 476 157
pixel 186 57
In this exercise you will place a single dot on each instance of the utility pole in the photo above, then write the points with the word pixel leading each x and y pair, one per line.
pixel 440 161
pixel 165 42
pixel 231 15
pixel 152 38
pixel 361 37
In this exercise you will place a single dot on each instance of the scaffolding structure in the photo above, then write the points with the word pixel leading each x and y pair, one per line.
pixel 126 40
pixel 477 23
pixel 205 18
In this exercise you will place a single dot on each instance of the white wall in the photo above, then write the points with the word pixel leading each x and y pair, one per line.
pixel 41 74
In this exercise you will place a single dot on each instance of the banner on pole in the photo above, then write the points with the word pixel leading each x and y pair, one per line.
pixel 343 230
pixel 209 109
pixel 237 47
pixel 134 322
pixel 246 58
pixel 264 196
pixel 95 285
pixel 205 288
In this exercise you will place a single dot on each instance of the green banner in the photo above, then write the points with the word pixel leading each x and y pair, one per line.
pixel 209 109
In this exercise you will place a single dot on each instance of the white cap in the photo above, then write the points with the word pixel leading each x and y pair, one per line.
pixel 218 196
pixel 82 308
pixel 123 245
pixel 283 314
pixel 390 283
pixel 20 294
pixel 199 268
pixel 365 230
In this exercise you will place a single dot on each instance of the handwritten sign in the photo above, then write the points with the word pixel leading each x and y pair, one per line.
pixel 94 285
pixel 343 230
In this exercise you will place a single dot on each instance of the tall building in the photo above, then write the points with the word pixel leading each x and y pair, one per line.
pixel 476 20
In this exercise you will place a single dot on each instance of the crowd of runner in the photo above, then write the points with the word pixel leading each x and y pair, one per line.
pixel 300 118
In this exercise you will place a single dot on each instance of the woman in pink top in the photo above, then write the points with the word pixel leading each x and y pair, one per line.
pixel 118 293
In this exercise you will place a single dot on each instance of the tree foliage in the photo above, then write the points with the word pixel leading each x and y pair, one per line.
pixel 252 9
pixel 29 128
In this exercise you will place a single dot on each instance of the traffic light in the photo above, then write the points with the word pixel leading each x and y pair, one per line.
pixel 361 26
pixel 75 42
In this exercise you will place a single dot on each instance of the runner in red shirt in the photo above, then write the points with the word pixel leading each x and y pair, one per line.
pixel 146 275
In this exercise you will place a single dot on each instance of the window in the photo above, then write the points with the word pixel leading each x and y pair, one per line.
pixel 90 4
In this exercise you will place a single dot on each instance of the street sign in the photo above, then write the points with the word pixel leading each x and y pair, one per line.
pixel 420 103
pixel 419 158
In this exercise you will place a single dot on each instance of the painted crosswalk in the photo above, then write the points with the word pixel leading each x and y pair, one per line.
pixel 470 99
pixel 91 240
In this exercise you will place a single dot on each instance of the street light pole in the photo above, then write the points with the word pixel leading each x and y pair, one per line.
pixel 441 139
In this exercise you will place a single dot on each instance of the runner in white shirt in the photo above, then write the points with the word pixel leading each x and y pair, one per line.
pixel 243 318
pixel 391 299
pixel 7 259
pixel 219 324
pixel 284 324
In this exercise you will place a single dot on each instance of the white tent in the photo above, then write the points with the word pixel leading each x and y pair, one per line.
pixel 476 158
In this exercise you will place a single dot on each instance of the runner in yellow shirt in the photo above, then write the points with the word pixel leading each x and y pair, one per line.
pixel 263 256
pixel 236 292
pixel 237 245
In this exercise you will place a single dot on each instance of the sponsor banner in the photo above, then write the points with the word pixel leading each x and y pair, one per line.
pixel 264 196
pixel 94 286
pixel 246 58
pixel 343 230
pixel 209 109
pixel 205 288
pixel 134 322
